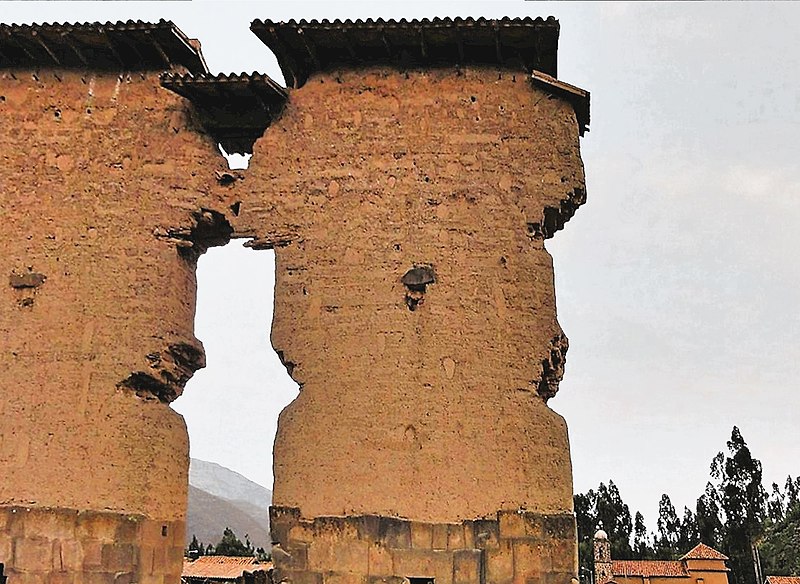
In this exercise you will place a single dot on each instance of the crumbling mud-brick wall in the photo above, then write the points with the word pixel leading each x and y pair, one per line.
pixel 100 171
pixel 407 196
pixel 415 306
pixel 440 387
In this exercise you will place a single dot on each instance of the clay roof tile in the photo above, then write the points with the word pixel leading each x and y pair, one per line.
pixel 234 108
pixel 703 552
pixel 307 46
pixel 222 567
pixel 648 568
pixel 783 579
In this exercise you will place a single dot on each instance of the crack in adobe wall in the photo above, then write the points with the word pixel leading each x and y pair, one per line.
pixel 552 371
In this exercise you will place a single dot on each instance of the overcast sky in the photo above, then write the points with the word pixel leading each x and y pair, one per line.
pixel 677 283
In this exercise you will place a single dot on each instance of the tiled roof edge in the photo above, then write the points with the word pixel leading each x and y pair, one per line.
pixel 307 46
pixel 169 78
pixel 369 22
pixel 191 57
pixel 109 25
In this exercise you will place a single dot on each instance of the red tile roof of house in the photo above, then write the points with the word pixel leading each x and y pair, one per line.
pixel 648 568
pixel 703 552
pixel 783 579
pixel 221 567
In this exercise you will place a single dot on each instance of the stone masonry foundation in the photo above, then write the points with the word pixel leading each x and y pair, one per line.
pixel 53 546
pixel 516 547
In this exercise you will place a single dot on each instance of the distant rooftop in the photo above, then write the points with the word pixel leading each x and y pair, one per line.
pixel 783 579
pixel 116 46
pixel 305 47
pixel 221 567
pixel 703 552
pixel 649 568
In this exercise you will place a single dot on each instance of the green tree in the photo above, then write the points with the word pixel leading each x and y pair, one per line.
pixel 642 550
pixel 615 518
pixel 230 545
pixel 195 548
pixel 666 540
pixel 792 492
pixel 780 545
pixel 602 509
pixel 742 499
pixel 776 508
pixel 710 527
pixel 688 532
pixel 586 520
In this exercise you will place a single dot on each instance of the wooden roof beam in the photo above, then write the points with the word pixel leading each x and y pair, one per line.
pixel 110 46
pixel 38 38
pixel 73 47
pixel 159 49
pixel 310 47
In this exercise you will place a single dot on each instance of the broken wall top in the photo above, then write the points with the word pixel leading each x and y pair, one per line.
pixel 234 109
pixel 110 46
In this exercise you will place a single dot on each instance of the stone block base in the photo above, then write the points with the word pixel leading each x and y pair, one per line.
pixel 513 548
pixel 62 546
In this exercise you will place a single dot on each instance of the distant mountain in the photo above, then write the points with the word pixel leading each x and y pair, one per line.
pixel 223 482
pixel 220 498
pixel 209 515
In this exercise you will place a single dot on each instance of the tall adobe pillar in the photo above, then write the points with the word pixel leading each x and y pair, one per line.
pixel 408 189
pixel 106 202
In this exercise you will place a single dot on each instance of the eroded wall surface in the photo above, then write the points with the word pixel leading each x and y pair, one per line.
pixel 414 305
pixel 96 320
pixel 425 402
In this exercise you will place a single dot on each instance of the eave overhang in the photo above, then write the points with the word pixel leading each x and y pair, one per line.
pixel 575 96
pixel 110 46
pixel 305 47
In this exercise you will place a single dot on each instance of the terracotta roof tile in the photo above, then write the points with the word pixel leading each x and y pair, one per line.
pixel 235 109
pixel 703 552
pixel 222 567
pixel 648 568
pixel 783 579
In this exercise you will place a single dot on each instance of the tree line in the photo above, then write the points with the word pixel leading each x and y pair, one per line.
pixel 229 545
pixel 758 530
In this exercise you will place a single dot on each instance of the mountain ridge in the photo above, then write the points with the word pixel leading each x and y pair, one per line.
pixel 220 497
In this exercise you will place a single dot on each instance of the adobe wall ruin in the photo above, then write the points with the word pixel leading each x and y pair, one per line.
pixel 414 305
pixel 95 169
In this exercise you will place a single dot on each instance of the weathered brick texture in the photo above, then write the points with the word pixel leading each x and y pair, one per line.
pixel 99 172
pixel 414 304
pixel 436 413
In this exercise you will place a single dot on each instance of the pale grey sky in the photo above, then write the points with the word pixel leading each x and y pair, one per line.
pixel 676 282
